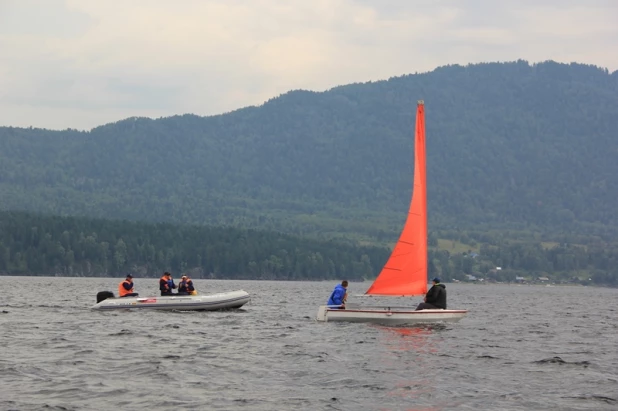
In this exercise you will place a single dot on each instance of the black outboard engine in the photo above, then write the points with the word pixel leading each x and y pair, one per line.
pixel 104 295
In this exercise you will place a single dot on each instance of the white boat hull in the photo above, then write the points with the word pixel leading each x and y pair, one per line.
pixel 389 315
pixel 206 302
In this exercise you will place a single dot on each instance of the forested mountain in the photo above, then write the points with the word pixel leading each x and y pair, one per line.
pixel 509 145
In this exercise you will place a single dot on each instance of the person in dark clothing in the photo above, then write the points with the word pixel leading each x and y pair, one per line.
pixel 166 284
pixel 435 297
pixel 185 287
pixel 191 287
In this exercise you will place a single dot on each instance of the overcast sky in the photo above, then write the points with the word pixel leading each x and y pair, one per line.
pixel 83 63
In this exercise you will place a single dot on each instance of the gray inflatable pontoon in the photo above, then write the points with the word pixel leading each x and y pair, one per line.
pixel 206 302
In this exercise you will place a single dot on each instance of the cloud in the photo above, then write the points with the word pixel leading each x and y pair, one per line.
pixel 82 63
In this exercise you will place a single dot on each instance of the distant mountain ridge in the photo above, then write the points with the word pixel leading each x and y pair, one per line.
pixel 508 144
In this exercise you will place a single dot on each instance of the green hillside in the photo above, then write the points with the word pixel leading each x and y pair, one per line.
pixel 34 244
pixel 510 145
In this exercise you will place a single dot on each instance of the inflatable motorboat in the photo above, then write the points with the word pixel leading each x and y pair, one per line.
pixel 207 302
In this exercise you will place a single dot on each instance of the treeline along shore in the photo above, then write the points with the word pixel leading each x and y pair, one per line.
pixel 36 244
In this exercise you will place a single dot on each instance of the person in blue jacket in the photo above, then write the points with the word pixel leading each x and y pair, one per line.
pixel 339 295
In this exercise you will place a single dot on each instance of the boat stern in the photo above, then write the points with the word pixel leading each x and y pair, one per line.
pixel 322 316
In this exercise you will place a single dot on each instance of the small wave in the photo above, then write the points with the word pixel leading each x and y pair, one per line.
pixel 121 332
pixel 374 387
pixel 558 360
pixel 14 406
pixel 593 397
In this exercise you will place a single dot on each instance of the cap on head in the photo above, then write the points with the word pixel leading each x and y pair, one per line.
pixel 129 276
pixel 436 280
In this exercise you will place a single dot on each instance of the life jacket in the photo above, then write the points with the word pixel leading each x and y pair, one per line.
pixel 164 284
pixel 186 286
pixel 123 291
pixel 191 288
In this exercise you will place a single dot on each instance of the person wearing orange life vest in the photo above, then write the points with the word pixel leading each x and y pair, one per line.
pixel 125 288
pixel 191 287
pixel 166 284
pixel 185 287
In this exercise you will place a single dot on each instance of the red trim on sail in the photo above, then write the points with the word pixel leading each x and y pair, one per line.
pixel 405 272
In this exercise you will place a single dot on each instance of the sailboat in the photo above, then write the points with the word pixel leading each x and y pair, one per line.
pixel 405 272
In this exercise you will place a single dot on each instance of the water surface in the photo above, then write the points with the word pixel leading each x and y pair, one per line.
pixel 520 348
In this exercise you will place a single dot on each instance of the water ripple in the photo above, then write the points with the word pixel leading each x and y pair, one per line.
pixel 520 348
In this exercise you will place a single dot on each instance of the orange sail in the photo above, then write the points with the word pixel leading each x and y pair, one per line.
pixel 405 272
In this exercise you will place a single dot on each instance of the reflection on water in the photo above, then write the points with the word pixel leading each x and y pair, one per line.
pixel 408 338
pixel 415 348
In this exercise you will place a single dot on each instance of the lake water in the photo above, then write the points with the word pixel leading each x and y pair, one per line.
pixel 519 348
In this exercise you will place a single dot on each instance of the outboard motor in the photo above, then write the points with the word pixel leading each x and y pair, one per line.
pixel 104 295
